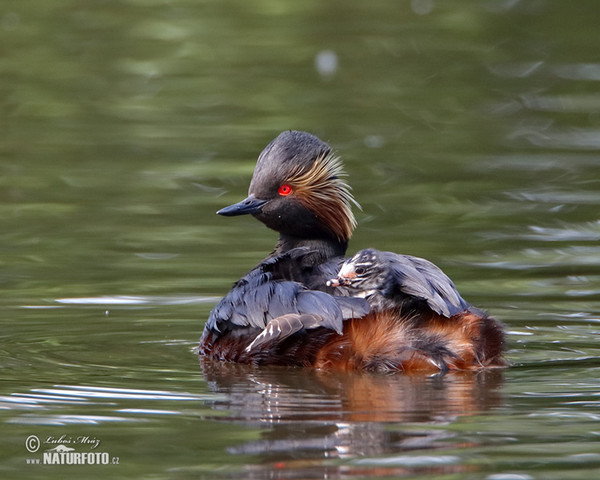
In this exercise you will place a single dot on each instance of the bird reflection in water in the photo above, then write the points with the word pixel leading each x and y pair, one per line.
pixel 307 416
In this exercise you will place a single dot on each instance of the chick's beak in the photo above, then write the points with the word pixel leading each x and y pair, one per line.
pixel 344 278
pixel 338 282
pixel 250 205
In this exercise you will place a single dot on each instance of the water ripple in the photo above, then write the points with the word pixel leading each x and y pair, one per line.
pixel 127 300
pixel 558 197
pixel 412 461
pixel 574 138
pixel 70 419
pixel 66 396
pixel 578 71
pixel 120 393
pixel 136 300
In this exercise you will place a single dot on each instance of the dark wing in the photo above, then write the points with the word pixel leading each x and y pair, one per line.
pixel 420 278
pixel 315 309
pixel 324 272
pixel 306 266
pixel 252 302
pixel 259 298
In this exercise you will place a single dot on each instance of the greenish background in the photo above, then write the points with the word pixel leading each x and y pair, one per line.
pixel 471 134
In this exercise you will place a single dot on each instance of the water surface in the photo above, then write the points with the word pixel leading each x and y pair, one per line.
pixel 470 134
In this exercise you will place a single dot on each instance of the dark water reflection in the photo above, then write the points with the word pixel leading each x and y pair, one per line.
pixel 316 415
pixel 274 395
pixel 470 134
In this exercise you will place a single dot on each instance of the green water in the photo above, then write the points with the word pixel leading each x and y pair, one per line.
pixel 471 134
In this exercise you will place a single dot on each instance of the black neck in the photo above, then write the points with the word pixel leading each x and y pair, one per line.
pixel 328 247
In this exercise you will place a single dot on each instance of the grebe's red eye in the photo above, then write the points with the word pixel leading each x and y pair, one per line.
pixel 285 190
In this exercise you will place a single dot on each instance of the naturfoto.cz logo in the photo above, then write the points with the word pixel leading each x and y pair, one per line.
pixel 61 453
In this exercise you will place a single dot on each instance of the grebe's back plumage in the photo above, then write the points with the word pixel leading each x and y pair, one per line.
pixel 271 303
pixel 284 311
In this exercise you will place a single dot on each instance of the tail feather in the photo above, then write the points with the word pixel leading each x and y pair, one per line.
pixel 282 327
pixel 390 341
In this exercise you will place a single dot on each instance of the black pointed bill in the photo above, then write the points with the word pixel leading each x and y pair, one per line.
pixel 248 206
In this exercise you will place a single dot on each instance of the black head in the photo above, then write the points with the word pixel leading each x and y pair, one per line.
pixel 367 270
pixel 296 190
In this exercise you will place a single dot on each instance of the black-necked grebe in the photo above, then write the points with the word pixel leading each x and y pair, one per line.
pixel 304 306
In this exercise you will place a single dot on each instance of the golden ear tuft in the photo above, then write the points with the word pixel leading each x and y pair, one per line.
pixel 322 190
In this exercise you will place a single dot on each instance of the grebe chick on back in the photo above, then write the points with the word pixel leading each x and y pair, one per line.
pixel 406 287
pixel 390 280
pixel 283 311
